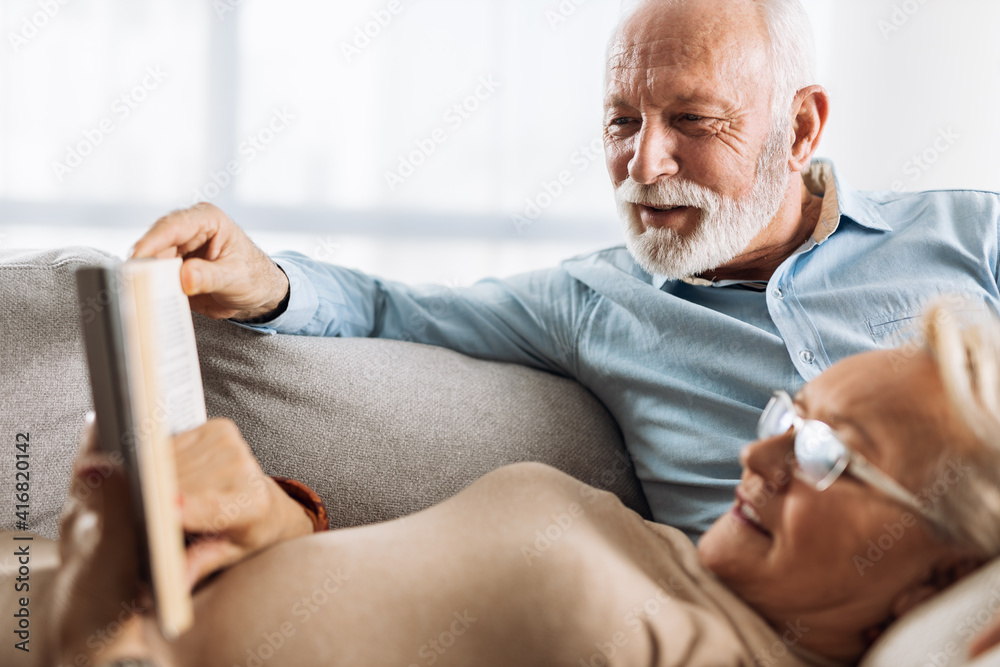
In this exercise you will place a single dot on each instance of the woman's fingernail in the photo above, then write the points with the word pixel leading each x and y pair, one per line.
pixel 85 532
pixel 85 472
pixel 89 417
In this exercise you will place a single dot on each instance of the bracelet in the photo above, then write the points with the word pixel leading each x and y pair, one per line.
pixel 308 499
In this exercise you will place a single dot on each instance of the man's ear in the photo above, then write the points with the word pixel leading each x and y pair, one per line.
pixel 944 574
pixel 811 106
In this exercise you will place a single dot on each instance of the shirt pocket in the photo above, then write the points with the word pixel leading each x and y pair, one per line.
pixel 890 329
pixel 895 328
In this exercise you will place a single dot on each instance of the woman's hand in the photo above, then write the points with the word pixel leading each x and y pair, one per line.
pixel 97 603
pixel 230 508
pixel 986 640
pixel 100 612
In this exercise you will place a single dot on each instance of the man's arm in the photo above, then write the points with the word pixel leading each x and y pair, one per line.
pixel 530 319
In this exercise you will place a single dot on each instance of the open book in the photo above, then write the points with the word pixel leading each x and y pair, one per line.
pixel 147 387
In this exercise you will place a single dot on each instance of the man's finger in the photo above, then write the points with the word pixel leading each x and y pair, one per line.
pixel 177 230
pixel 201 277
pixel 206 305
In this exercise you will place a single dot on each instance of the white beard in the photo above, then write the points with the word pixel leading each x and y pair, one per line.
pixel 726 228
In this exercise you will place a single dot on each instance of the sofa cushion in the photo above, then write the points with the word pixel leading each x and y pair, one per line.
pixel 378 428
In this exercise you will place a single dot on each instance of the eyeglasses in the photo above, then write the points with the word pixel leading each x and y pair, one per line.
pixel 821 457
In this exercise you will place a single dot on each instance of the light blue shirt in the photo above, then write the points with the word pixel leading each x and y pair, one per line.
pixel 686 367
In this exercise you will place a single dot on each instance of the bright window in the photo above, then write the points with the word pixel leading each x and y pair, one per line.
pixel 408 132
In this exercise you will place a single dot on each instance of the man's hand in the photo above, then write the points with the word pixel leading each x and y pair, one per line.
pixel 230 508
pixel 224 273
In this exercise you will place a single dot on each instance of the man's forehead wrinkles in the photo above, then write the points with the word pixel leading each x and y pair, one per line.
pixel 627 67
pixel 667 84
pixel 651 44
pixel 672 48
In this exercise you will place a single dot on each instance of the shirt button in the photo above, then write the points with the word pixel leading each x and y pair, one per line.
pixel 807 357
pixel 778 294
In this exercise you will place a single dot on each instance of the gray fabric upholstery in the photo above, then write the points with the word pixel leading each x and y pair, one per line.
pixel 382 428
pixel 378 428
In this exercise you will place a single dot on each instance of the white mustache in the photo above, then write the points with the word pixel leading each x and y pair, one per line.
pixel 666 194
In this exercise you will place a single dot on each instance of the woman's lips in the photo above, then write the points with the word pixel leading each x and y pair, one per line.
pixel 745 513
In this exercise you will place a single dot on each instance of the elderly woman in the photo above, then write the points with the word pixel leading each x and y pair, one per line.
pixel 527 566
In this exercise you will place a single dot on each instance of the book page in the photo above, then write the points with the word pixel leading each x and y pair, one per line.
pixel 178 372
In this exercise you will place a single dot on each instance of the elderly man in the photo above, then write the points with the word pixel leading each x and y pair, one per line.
pixel 748 265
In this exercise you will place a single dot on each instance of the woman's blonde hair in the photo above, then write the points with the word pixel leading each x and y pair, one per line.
pixel 964 340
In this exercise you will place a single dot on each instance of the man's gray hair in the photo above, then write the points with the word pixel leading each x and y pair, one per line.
pixel 793 52
pixel 792 49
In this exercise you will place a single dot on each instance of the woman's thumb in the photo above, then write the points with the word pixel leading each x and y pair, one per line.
pixel 205 555
pixel 91 466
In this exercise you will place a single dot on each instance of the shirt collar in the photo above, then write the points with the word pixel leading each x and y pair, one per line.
pixel 840 201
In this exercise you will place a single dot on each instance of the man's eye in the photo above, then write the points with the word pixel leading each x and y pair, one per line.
pixel 692 118
pixel 621 121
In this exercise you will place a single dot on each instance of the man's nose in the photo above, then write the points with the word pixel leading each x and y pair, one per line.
pixel 654 156
pixel 772 458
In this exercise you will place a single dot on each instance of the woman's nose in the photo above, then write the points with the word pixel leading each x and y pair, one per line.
pixel 771 458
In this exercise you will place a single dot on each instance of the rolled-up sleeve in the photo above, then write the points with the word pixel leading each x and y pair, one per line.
pixel 531 319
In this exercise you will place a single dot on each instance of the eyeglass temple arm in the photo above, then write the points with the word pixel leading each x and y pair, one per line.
pixel 866 472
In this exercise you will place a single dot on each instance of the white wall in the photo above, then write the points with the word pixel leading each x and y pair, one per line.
pixel 904 75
